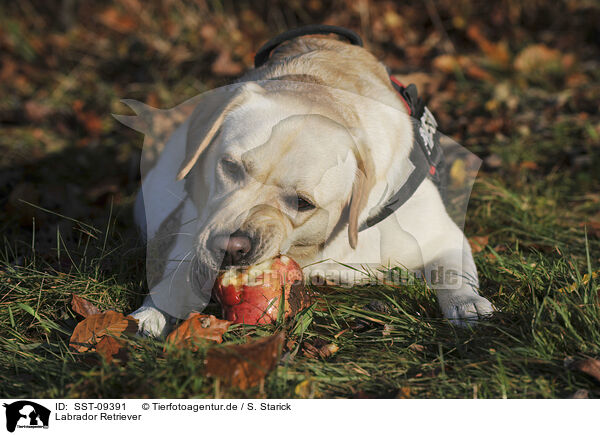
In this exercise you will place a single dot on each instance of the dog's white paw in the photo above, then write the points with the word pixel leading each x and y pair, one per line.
pixel 465 310
pixel 151 322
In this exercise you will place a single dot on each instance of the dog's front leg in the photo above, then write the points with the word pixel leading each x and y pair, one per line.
pixel 173 296
pixel 152 322
pixel 454 277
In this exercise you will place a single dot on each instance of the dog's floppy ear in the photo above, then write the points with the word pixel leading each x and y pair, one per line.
pixel 208 117
pixel 358 200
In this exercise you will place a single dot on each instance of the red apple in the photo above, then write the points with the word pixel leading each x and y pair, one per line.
pixel 252 295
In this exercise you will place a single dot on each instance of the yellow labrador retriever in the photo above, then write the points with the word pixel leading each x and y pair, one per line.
pixel 306 155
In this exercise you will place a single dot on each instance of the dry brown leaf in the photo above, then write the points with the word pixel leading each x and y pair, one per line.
pixel 404 393
pixel 89 331
pixel 496 52
pixel 478 243
pixel 476 72
pixel 416 347
pixel 91 121
pixel 527 164
pixel 538 58
pixel 82 307
pixel 245 365
pixel 225 66
pixel 458 174
pixel 36 111
pixel 590 367
pixel 307 389
pixel 447 63
pixel 580 394
pixel 320 350
pixel 117 21
pixel 197 327
pixel 584 281
pixel 110 348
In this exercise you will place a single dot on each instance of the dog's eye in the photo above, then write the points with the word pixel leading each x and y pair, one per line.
pixel 232 170
pixel 304 204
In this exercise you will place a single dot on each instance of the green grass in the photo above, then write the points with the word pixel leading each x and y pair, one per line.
pixel 519 353
pixel 542 220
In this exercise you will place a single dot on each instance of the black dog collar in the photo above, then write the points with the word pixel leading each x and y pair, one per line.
pixel 426 154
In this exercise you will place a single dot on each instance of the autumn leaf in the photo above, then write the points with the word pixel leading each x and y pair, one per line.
pixel 245 365
pixel 590 367
pixel 36 111
pixel 447 63
pixel 539 59
pixel 584 281
pixel 89 331
pixel 527 164
pixel 496 52
pixel 321 350
pixel 115 20
pixel 82 307
pixel 197 327
pixel 307 389
pixel 225 66
pixel 91 121
pixel 478 243
pixel 110 347
pixel 458 173
pixel 404 393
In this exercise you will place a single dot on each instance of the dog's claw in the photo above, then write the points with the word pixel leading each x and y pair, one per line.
pixel 465 311
pixel 151 322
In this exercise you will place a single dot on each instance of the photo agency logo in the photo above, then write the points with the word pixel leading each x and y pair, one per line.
pixel 25 414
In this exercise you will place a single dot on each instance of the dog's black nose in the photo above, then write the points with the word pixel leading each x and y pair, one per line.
pixel 232 248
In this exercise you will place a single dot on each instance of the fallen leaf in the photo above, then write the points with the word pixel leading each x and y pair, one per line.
pixel 539 59
pixel 89 331
pixel 476 72
pixel 110 348
pixel 82 307
pixel 493 161
pixel 590 367
pixel 416 347
pixel 529 165
pixel 198 327
pixel 36 112
pixel 580 394
pixel 91 121
pixel 584 281
pixel 225 66
pixel 404 393
pixel 320 351
pixel 117 21
pixel 458 174
pixel 329 349
pixel 387 330
pixel 307 389
pixel 478 243
pixel 244 365
pixel 447 63
pixel 496 52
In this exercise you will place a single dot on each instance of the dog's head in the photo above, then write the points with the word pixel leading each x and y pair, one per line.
pixel 271 171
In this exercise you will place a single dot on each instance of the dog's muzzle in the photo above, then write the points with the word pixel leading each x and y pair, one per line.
pixel 260 236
